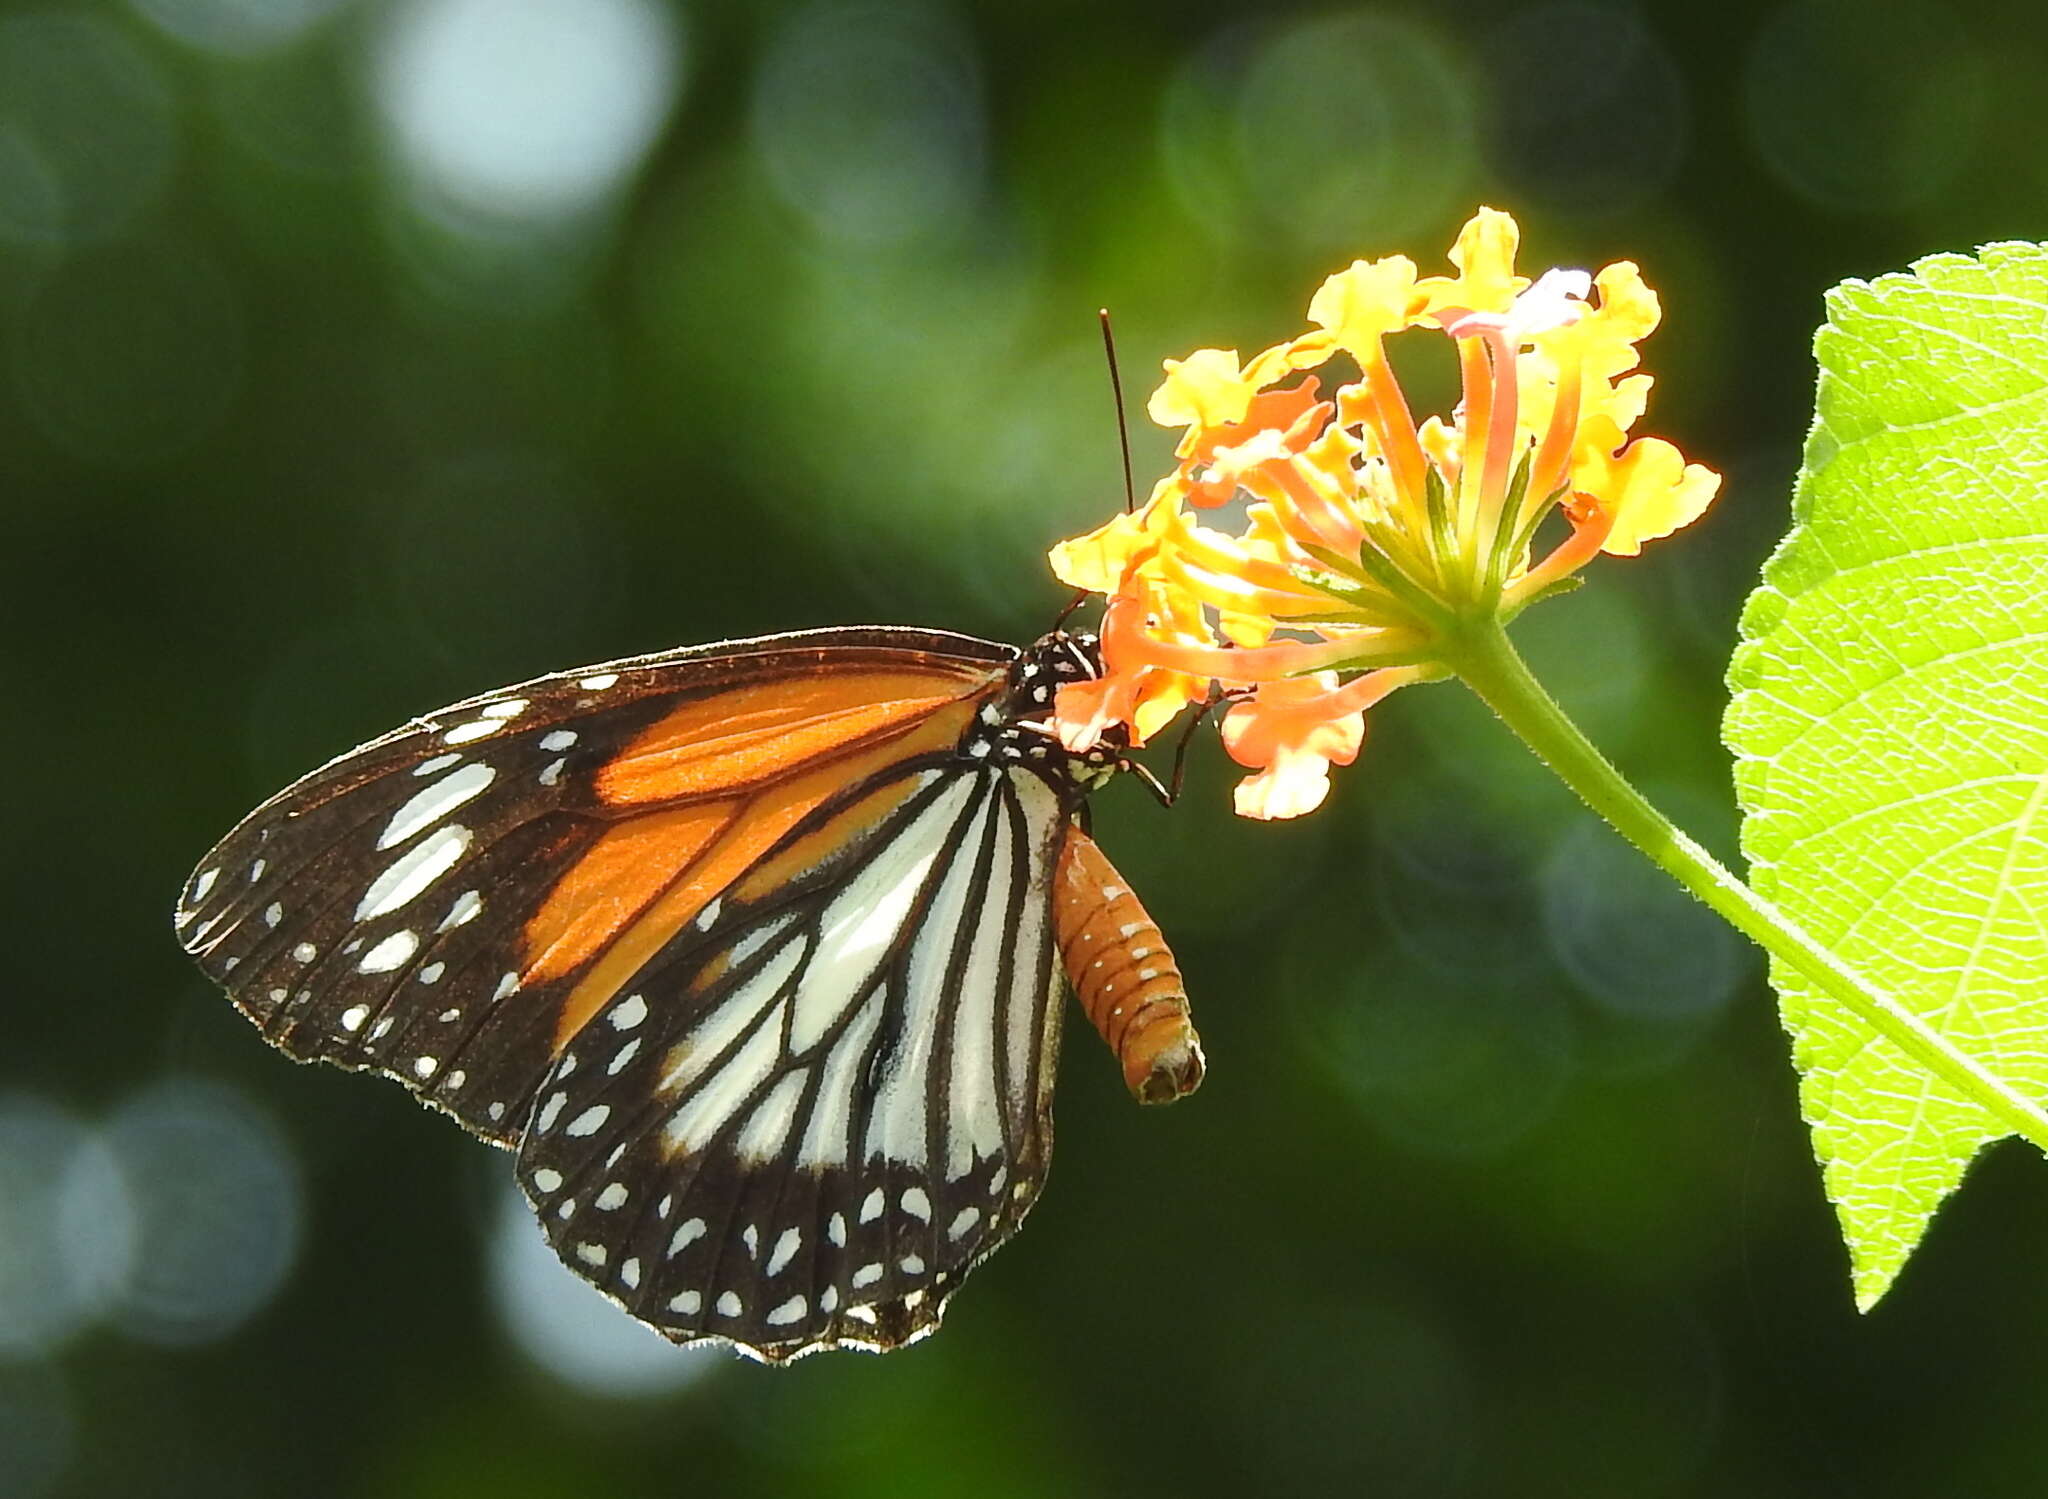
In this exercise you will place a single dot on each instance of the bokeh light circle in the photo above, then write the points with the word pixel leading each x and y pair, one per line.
pixel 65 1226
pixel 1637 945
pixel 1865 109
pixel 218 1209
pixel 525 109
pixel 868 122
pixel 565 1325
pixel 1354 123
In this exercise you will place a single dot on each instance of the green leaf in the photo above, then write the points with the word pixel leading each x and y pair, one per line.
pixel 1890 723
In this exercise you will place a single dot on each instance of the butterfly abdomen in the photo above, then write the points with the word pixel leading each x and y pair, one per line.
pixel 1125 975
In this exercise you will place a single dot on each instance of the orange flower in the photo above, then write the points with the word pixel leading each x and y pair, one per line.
pixel 1371 541
pixel 1280 732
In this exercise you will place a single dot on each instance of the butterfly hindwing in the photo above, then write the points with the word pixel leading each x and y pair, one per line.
pixel 388 911
pixel 803 1121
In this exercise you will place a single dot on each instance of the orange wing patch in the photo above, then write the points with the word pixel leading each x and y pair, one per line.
pixel 1127 980
pixel 621 920
pixel 616 879
pixel 748 735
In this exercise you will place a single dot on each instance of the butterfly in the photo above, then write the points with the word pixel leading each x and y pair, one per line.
pixel 754 952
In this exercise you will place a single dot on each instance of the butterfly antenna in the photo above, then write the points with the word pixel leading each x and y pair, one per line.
pixel 1116 390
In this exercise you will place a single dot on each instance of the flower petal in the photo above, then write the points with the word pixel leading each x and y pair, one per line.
pixel 1485 258
pixel 1367 300
pixel 1283 731
pixel 1648 490
pixel 1203 390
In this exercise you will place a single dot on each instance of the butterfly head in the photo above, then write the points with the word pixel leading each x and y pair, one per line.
pixel 1022 715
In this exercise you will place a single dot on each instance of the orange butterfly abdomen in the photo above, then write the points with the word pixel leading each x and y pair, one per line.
pixel 1127 980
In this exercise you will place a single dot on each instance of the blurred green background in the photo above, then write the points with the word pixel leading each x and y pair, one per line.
pixel 356 357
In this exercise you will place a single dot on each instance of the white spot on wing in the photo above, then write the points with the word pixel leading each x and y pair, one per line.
pixel 599 682
pixel 469 733
pixel 551 1110
pixel 612 1197
pixel 436 765
pixel 590 1254
pixel 917 1204
pixel 433 802
pixel 407 877
pixel 963 1220
pixel 867 1275
pixel 729 1304
pixel 685 1236
pixel 685 1302
pixel 548 1180
pixel 511 707
pixel 629 1012
pixel 788 1312
pixel 558 741
pixel 785 1250
pixel 353 1017
pixel 465 908
pixel 204 883
pixel 393 951
pixel 871 1209
pixel 590 1121
pixel 423 1067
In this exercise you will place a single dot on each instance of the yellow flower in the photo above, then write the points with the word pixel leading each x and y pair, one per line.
pixel 1485 257
pixel 1372 540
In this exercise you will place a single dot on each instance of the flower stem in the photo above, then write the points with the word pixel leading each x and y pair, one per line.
pixel 1492 668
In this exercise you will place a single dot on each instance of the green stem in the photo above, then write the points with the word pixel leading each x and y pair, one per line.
pixel 1492 668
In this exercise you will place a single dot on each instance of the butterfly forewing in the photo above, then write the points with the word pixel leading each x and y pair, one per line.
pixel 384 911
pixel 814 1112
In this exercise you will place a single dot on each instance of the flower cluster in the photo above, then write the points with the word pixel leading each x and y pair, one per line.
pixel 1368 541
